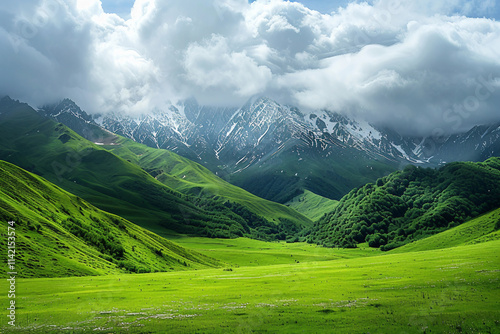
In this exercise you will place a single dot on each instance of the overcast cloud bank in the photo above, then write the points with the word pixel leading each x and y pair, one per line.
pixel 415 66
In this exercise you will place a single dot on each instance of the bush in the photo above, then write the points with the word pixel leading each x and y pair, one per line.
pixel 392 245
pixel 376 240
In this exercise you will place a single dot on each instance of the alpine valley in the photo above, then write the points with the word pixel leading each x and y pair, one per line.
pixel 250 166
pixel 262 218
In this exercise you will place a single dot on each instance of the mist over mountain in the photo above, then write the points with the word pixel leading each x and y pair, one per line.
pixel 421 69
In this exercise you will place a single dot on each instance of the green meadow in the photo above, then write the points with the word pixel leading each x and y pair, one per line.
pixel 247 252
pixel 453 290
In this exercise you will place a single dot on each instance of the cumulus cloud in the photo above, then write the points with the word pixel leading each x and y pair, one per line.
pixel 213 67
pixel 415 66
pixel 412 83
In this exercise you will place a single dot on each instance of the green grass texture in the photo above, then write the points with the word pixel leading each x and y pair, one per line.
pixel 453 290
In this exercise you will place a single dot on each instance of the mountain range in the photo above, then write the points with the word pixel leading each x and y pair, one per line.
pixel 276 151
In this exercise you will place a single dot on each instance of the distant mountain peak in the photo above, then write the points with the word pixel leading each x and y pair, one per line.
pixel 64 108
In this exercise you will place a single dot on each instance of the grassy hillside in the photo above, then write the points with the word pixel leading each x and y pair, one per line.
pixel 116 185
pixel 441 291
pixel 311 205
pixel 411 204
pixel 191 178
pixel 481 229
pixel 59 234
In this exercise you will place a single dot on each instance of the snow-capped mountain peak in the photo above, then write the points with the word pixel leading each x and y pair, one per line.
pixel 262 133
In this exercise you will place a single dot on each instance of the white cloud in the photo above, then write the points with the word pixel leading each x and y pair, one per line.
pixel 213 68
pixel 409 64
pixel 410 83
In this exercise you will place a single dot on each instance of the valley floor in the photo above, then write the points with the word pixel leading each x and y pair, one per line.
pixel 454 290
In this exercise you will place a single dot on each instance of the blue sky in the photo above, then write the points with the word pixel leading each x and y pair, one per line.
pixel 120 7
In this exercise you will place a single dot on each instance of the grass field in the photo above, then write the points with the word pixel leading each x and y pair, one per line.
pixel 453 290
pixel 249 252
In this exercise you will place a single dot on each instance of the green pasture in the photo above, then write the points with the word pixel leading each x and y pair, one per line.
pixel 248 252
pixel 453 290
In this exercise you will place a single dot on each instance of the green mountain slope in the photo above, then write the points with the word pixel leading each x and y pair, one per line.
pixel 191 178
pixel 411 204
pixel 284 174
pixel 311 205
pixel 116 185
pixel 59 234
pixel 481 229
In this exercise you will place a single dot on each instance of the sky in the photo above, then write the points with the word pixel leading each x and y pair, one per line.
pixel 422 68
pixel 123 7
